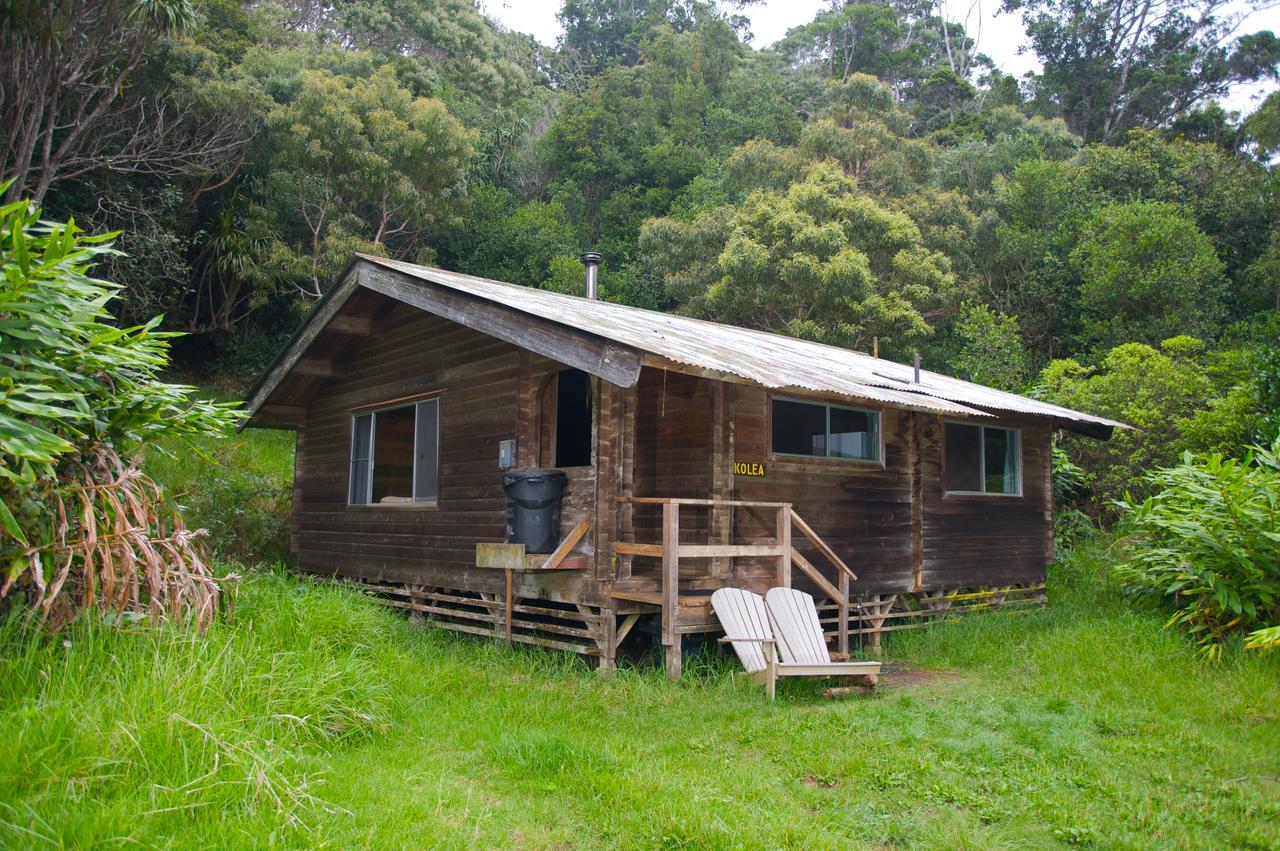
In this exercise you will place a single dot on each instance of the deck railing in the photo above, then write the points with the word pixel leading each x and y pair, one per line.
pixel 671 550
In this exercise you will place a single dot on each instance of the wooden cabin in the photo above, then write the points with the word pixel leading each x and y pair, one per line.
pixel 698 455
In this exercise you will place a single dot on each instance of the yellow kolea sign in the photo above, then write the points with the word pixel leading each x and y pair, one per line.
pixel 748 468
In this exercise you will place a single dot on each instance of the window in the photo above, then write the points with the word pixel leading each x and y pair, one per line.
pixel 825 431
pixel 981 459
pixel 395 455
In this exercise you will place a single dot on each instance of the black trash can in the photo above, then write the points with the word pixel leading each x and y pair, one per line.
pixel 533 508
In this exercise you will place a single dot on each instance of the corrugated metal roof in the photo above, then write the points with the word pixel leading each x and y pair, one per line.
pixel 770 360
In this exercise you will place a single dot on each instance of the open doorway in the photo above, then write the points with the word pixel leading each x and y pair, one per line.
pixel 566 420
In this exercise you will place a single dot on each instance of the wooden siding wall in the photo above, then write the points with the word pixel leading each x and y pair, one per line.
pixel 892 523
pixel 484 382
pixel 673 449
pixel 972 540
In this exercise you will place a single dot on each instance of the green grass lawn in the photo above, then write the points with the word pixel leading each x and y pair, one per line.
pixel 314 718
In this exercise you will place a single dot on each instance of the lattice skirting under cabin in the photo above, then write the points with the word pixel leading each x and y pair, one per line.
pixel 870 616
pixel 545 623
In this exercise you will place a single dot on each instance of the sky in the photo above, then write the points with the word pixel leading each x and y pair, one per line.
pixel 1000 36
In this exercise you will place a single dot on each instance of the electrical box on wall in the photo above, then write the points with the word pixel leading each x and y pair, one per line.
pixel 506 454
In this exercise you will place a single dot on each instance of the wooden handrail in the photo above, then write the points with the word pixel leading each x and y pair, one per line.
pixel 571 541
pixel 729 503
pixel 798 559
pixel 821 544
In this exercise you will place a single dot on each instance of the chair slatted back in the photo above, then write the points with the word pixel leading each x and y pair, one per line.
pixel 743 615
pixel 794 619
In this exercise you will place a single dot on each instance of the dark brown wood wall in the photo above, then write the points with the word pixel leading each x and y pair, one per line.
pixel 973 540
pixel 861 509
pixel 413 353
pixel 892 523
pixel 673 449
pixel 489 390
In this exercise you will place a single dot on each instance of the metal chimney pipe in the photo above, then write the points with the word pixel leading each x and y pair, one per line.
pixel 591 263
pixel 916 360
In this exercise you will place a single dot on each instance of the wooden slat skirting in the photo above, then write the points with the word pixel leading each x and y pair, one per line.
pixel 577 629
pixel 874 615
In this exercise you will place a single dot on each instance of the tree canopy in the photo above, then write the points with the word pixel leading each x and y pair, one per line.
pixel 870 178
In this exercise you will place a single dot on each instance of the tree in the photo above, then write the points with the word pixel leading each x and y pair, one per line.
pixel 819 260
pixel 1111 65
pixel 70 104
pixel 1147 273
pixel 360 162
pixel 991 350
pixel 1177 397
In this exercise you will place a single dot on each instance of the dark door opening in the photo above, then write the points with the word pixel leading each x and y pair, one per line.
pixel 572 419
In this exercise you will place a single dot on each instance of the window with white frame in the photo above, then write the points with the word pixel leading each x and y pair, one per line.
pixel 395 454
pixel 982 459
pixel 824 431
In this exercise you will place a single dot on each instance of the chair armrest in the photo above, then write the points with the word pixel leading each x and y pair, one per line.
pixel 727 640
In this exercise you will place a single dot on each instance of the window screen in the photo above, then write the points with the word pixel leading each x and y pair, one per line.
pixel 426 453
pixel 395 455
pixel 854 434
pixel 982 459
pixel 824 431
pixel 361 431
pixel 1000 460
pixel 963 460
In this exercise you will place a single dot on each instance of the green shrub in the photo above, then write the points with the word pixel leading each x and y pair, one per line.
pixel 1207 540
pixel 239 489
pixel 81 526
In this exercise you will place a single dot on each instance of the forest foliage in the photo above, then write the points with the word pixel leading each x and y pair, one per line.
pixel 1101 233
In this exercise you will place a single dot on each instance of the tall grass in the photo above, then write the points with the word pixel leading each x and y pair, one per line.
pixel 240 489
pixel 316 718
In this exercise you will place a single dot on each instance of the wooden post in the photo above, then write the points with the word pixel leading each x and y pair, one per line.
pixel 842 636
pixel 878 622
pixel 721 475
pixel 671 585
pixel 914 473
pixel 508 613
pixel 610 648
pixel 784 542
pixel 675 659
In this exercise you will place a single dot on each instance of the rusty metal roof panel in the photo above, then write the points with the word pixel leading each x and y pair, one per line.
pixel 770 360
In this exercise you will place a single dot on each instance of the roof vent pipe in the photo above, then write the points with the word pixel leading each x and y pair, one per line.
pixel 916 362
pixel 591 262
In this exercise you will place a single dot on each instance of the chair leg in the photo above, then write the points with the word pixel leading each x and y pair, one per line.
pixel 770 676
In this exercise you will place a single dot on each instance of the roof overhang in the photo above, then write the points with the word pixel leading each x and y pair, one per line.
pixel 574 347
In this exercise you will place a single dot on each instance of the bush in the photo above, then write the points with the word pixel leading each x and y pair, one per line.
pixel 1207 540
pixel 80 525
pixel 244 500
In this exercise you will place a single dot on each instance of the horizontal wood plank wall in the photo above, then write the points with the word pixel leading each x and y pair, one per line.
pixel 480 377
pixel 862 510
pixel 672 451
pixel 984 540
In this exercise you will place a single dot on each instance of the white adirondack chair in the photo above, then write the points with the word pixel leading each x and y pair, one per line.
pixel 779 636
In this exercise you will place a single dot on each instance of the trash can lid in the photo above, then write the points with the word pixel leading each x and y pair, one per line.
pixel 533 473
